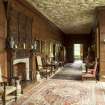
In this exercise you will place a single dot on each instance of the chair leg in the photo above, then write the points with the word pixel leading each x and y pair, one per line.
pixel 15 95
pixel 3 99
pixel 3 96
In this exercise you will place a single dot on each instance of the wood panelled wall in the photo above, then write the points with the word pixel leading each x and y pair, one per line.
pixel 20 29
pixel 41 27
pixel 24 23
pixel 3 34
pixel 100 37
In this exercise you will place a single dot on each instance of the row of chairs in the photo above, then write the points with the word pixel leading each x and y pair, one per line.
pixel 45 69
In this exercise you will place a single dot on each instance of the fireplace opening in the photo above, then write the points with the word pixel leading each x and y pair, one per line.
pixel 20 70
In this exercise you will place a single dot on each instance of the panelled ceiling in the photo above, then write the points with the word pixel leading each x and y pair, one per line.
pixel 71 16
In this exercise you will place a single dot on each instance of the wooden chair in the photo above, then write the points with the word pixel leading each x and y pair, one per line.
pixel 50 64
pixel 44 70
pixel 91 73
pixel 55 66
pixel 8 91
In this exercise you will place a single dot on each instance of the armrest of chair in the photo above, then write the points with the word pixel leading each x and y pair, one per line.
pixel 7 89
pixel 6 92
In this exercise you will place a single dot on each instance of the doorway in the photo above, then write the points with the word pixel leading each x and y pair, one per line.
pixel 78 52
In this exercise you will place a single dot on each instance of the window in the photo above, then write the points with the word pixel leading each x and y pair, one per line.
pixel 78 51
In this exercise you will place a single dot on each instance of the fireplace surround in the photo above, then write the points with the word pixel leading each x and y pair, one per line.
pixel 26 61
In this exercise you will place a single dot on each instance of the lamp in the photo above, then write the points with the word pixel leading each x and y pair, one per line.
pixel 51 56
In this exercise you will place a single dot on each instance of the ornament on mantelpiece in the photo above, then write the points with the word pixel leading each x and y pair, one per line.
pixel 34 46
pixel 15 45
pixel 12 42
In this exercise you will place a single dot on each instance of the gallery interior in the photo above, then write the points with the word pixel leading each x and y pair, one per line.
pixel 52 52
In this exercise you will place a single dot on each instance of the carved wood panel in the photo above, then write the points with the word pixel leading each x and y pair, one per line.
pixel 13 25
pixel 2 20
pixel 22 54
pixel 20 28
pixel 28 32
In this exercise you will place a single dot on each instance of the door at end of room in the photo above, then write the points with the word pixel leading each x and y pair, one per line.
pixel 78 52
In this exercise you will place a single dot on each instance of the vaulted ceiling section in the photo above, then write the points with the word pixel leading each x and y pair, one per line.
pixel 71 16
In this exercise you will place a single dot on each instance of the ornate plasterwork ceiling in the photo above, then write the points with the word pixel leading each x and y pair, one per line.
pixel 71 16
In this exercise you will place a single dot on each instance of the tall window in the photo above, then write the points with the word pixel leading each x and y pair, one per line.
pixel 78 51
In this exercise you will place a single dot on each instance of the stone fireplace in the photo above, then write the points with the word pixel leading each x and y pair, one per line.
pixel 22 68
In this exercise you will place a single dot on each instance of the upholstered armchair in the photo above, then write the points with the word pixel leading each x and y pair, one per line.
pixel 91 73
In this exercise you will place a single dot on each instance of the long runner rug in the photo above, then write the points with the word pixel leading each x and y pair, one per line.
pixel 63 92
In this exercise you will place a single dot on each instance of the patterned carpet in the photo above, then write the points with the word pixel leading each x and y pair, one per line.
pixel 64 92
